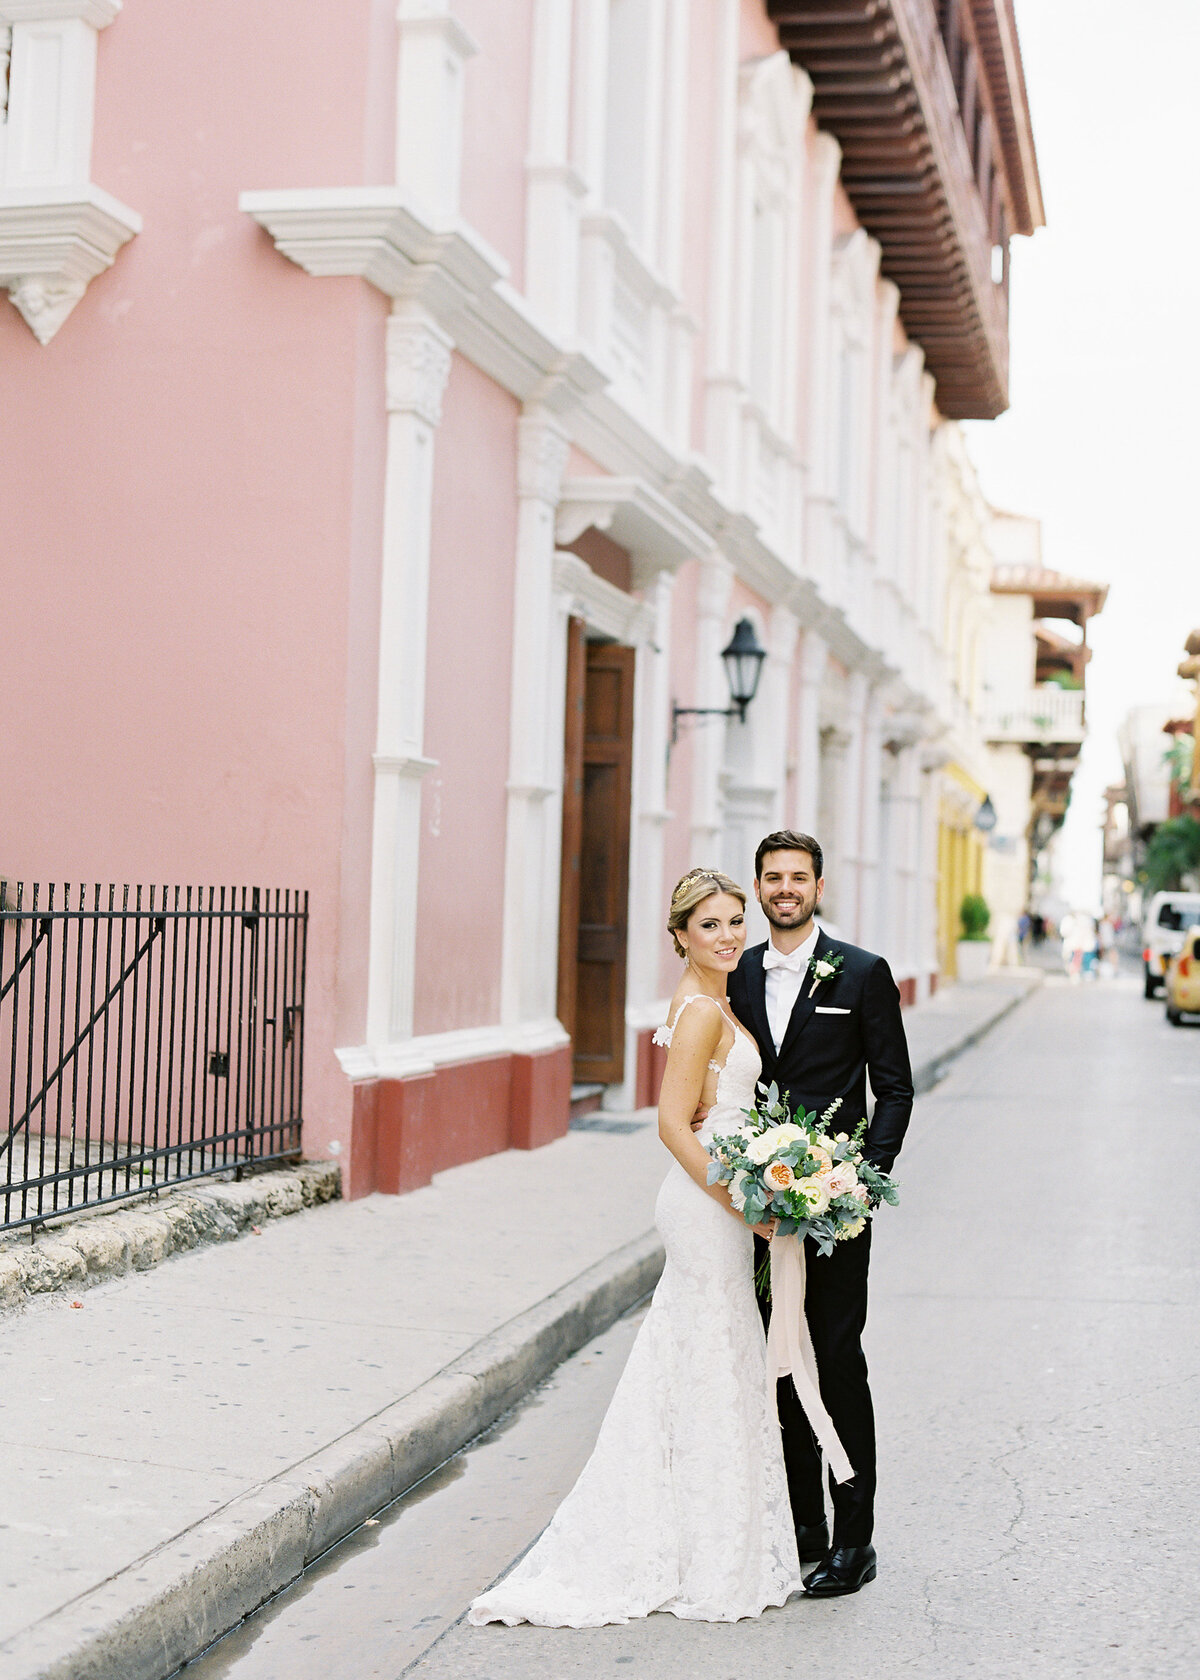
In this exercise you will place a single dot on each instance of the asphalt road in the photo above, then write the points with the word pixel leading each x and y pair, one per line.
pixel 1035 1354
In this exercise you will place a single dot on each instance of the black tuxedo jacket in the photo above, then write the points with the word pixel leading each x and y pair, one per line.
pixel 849 1031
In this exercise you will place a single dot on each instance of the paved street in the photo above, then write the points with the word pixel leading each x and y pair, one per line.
pixel 1034 1352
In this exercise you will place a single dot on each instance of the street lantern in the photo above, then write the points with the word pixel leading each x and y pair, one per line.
pixel 743 661
pixel 985 817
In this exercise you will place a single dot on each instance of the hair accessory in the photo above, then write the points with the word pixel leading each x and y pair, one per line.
pixel 692 876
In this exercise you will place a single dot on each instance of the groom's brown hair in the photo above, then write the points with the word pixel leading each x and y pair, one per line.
pixel 787 840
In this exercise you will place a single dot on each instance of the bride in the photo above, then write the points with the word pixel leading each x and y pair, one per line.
pixel 683 1505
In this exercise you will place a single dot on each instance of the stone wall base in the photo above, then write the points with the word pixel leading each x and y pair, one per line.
pixel 405 1130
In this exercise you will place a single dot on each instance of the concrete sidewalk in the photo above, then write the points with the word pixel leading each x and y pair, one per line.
pixel 178 1447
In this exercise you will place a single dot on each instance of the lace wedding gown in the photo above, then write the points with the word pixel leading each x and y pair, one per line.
pixel 683 1505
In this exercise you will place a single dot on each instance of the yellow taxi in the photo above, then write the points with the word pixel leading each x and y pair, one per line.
pixel 1183 980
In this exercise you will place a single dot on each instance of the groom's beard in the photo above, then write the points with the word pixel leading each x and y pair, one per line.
pixel 800 917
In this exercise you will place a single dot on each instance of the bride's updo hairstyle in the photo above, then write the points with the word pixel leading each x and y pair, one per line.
pixel 693 889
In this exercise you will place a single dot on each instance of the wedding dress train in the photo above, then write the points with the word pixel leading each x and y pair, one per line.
pixel 683 1505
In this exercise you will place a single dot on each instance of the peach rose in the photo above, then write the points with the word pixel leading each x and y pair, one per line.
pixel 779 1176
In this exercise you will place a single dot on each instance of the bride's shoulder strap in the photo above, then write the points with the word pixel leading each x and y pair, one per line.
pixel 662 1035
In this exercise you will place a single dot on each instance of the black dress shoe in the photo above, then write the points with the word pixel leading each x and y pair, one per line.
pixel 812 1541
pixel 845 1570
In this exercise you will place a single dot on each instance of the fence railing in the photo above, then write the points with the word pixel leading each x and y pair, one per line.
pixel 147 1036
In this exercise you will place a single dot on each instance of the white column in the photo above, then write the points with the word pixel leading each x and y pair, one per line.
pixel 806 796
pixel 782 632
pixel 820 433
pixel 434 47
pixel 652 725
pixel 708 734
pixel 554 188
pixel 906 828
pixel 722 401
pixel 418 365
pixel 927 869
pixel 847 882
pixel 649 818
pixel 870 932
pixel 533 847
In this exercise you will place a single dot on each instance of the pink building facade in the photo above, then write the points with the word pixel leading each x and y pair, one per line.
pixel 400 409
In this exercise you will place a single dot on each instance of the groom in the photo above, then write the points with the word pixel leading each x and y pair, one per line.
pixel 826 1016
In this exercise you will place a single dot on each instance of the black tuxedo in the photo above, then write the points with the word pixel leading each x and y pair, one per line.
pixel 823 1056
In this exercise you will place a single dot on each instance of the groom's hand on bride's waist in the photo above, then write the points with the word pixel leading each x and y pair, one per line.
pixel 700 1116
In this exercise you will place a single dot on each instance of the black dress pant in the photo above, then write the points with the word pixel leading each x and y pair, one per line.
pixel 836 1309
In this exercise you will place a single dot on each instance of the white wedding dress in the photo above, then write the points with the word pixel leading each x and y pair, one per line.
pixel 683 1505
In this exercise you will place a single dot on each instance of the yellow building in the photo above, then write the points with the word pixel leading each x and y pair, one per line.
pixel 967 568
pixel 960 859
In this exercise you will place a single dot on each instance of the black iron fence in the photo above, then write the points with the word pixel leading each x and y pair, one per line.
pixel 150 1035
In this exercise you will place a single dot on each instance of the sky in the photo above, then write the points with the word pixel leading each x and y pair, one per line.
pixel 1101 440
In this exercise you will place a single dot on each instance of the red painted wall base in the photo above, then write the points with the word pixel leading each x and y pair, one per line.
pixel 405 1130
pixel 651 1060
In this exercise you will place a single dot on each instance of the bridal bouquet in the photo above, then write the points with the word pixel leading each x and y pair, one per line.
pixel 786 1165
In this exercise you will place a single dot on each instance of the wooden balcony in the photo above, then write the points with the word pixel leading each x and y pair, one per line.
pixel 927 100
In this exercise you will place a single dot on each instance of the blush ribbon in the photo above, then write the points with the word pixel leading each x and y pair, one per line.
pixel 790 1351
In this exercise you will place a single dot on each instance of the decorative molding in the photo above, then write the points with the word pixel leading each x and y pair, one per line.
pixel 378 235
pixel 418 366
pixel 403 764
pixel 53 242
pixel 99 13
pixel 542 451
pixel 634 515
pixel 426 1053
pixel 601 604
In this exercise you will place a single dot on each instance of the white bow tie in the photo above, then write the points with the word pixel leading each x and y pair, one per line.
pixel 795 963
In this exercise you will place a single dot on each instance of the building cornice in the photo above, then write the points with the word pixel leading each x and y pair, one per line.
pixel 378 234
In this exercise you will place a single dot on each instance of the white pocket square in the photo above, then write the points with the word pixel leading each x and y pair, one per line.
pixel 827 1009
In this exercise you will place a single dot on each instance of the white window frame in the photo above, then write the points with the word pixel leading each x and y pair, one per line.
pixel 57 229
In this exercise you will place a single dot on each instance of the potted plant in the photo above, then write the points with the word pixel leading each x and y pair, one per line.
pixel 974 948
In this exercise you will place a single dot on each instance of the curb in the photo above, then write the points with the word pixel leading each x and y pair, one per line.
pixel 146 1620
pixel 106 1243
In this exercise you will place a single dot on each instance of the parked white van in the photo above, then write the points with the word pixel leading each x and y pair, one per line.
pixel 1169 917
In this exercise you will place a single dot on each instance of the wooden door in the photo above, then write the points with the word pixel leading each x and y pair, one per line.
pixel 596 831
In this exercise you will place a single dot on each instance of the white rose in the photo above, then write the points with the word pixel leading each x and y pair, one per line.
pixel 817 1192
pixel 842 1179
pixel 825 1142
pixel 761 1148
pixel 738 1186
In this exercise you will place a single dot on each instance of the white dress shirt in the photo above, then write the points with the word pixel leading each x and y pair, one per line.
pixel 784 976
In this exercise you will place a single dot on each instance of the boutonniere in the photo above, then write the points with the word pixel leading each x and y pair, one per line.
pixel 824 969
